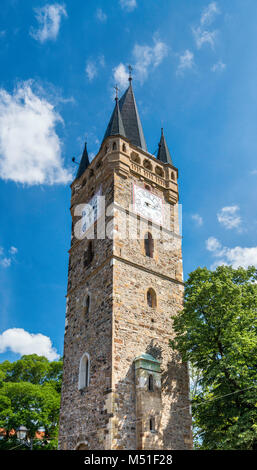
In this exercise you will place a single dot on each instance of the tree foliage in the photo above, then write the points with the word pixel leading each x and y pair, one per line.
pixel 30 396
pixel 217 333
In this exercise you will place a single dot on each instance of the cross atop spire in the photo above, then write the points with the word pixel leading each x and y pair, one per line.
pixel 130 69
pixel 125 120
pixel 117 90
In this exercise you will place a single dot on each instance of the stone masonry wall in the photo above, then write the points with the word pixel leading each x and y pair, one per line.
pixel 85 414
pixel 119 325
pixel 141 329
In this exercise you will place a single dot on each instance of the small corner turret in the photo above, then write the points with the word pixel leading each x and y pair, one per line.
pixel 163 151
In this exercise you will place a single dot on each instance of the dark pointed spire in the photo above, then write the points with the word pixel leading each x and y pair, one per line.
pixel 130 117
pixel 163 152
pixel 84 162
pixel 115 126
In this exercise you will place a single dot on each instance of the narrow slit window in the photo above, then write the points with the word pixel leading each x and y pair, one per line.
pixel 150 383
pixel 152 424
pixel 86 305
pixel 88 254
pixel 149 245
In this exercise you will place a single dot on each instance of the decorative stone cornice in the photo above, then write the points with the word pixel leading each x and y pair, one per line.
pixel 117 155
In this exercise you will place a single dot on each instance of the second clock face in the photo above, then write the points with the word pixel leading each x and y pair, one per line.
pixel 147 204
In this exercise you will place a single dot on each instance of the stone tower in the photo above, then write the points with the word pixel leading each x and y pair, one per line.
pixel 123 386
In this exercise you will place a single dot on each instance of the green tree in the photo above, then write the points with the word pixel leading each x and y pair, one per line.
pixel 217 333
pixel 30 396
pixel 34 369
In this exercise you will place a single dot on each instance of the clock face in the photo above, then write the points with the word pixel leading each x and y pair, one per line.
pixel 90 213
pixel 147 204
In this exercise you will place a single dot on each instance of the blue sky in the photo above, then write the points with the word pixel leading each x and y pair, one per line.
pixel 195 74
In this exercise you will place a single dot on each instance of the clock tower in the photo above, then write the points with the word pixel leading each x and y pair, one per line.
pixel 123 385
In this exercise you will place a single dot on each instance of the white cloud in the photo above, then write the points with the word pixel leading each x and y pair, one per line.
pixel 121 76
pixel 209 13
pixel 218 67
pixel 91 71
pixel 144 57
pixel 128 5
pixel 101 16
pixel 254 172
pixel 49 19
pixel 148 56
pixel 6 261
pixel 212 244
pixel 238 256
pixel 92 67
pixel 30 149
pixel 229 218
pixel 101 61
pixel 186 62
pixel 22 342
pixel 159 52
pixel 198 219
pixel 203 35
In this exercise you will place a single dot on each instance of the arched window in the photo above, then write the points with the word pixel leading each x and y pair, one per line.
pixel 84 371
pixel 150 383
pixel 88 254
pixel 173 176
pixel 151 298
pixel 114 146
pixel 149 245
pixel 82 446
pixel 124 148
pixel 135 158
pixel 152 424
pixel 159 171
pixel 148 165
